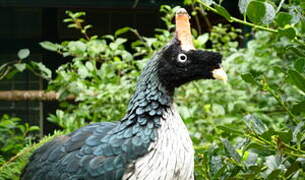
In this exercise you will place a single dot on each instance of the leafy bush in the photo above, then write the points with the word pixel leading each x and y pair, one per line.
pixel 11 169
pixel 14 136
pixel 9 69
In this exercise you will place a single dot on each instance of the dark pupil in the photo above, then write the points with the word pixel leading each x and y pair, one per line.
pixel 182 57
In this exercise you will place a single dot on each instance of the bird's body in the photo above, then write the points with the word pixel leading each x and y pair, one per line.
pixel 151 141
pixel 171 156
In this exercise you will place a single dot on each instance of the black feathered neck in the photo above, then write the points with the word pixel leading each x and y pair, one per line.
pixel 145 112
pixel 151 98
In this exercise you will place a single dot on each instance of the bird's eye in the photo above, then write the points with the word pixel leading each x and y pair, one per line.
pixel 182 58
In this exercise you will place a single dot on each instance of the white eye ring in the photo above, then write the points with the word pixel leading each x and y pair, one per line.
pixel 182 57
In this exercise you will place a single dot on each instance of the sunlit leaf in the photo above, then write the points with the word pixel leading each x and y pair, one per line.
pixel 242 5
pixel 269 15
pixel 23 53
pixel 20 66
pixel 49 46
pixel 121 31
pixel 255 124
pixel 208 2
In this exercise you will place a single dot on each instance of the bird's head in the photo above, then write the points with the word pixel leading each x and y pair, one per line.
pixel 180 62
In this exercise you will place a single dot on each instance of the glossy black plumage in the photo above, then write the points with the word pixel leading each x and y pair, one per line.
pixel 106 151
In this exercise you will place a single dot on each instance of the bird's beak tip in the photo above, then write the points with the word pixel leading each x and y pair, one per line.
pixel 220 74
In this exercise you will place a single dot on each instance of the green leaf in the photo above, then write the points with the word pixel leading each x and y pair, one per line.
pixel 223 12
pixel 248 78
pixel 49 46
pixel 40 69
pixel 297 50
pixel 255 124
pixel 243 4
pixel 202 39
pixel 23 53
pixel 283 18
pixel 293 169
pixel 11 74
pixel 273 162
pixel 34 128
pixel 274 174
pixel 121 31
pixel 297 130
pixel 187 2
pixel 231 150
pixel 296 14
pixel 301 27
pixel 299 65
pixel 229 130
pixel 208 2
pixel 20 67
pixel 256 11
pixel 268 134
pixel 296 79
pixel 299 107
pixel 287 32
pixel 269 15
pixel 285 136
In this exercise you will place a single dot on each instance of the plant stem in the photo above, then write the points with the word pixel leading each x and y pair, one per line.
pixel 236 20
pixel 196 20
pixel 280 101
pixel 279 7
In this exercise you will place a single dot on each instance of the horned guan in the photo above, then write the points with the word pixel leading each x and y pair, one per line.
pixel 151 141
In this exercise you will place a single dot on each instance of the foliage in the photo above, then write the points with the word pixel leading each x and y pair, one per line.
pixel 10 170
pixel 9 69
pixel 268 143
pixel 14 135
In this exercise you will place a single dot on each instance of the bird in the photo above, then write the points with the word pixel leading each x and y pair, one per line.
pixel 150 142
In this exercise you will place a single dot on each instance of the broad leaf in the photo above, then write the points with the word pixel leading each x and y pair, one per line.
pixel 23 53
pixel 299 65
pixel 298 108
pixel 40 69
pixel 255 124
pixel 269 15
pixel 20 67
pixel 121 31
pixel 49 46
pixel 208 2
pixel 256 11
pixel 287 32
pixel 260 12
pixel 297 130
pixel 202 39
pixel 231 150
pixel 242 5
pixel 296 79
pixel 248 78
pixel 223 12
pixel 283 18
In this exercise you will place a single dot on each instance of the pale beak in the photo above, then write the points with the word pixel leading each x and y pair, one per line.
pixel 220 74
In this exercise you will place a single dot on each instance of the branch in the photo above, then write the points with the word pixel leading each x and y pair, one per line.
pixel 236 20
pixel 31 95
